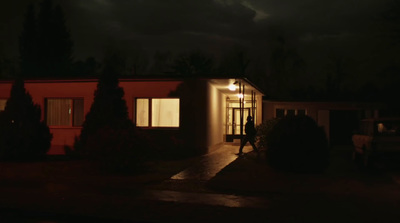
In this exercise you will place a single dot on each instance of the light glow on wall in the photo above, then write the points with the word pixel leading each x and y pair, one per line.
pixel 2 104
pixel 232 87
pixel 240 95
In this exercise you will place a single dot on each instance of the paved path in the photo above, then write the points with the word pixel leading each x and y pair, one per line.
pixel 210 164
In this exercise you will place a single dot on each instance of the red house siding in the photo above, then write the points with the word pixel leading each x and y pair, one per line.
pixel 65 135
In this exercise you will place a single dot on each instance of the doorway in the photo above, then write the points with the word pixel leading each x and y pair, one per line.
pixel 236 120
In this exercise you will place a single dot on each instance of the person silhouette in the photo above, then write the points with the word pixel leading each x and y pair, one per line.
pixel 250 136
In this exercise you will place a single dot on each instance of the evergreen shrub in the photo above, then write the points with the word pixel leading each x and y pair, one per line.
pixel 23 136
pixel 297 144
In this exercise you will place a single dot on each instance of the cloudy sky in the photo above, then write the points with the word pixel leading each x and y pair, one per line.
pixel 355 28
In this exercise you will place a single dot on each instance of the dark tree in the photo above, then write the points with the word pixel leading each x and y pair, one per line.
pixel 108 108
pixel 108 135
pixel 287 71
pixel 195 63
pixel 162 62
pixel 28 44
pixel 89 67
pixel 45 43
pixel 23 136
pixel 234 63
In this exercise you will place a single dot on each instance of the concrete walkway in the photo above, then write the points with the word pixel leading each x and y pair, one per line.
pixel 210 164
pixel 203 170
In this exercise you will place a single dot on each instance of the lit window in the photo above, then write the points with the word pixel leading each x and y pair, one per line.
pixel 3 104
pixel 142 112
pixel 157 112
pixel 64 112
pixel 280 113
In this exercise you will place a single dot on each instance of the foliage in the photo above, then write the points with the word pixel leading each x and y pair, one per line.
pixel 195 63
pixel 45 44
pixel 234 62
pixel 263 132
pixel 297 144
pixel 23 136
pixel 108 134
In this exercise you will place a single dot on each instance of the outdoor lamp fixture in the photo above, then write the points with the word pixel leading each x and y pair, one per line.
pixel 240 95
pixel 232 86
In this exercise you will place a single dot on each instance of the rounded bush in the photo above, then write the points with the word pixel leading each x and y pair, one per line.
pixel 297 144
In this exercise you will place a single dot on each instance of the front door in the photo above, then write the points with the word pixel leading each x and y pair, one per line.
pixel 236 120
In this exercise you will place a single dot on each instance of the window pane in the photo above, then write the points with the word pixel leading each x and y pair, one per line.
pixel 280 113
pixel 78 112
pixel 142 112
pixel 301 112
pixel 2 104
pixel 165 112
pixel 290 112
pixel 59 111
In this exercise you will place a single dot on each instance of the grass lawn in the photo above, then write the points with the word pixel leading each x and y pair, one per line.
pixel 61 170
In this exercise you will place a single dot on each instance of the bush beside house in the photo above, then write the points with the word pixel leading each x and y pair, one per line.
pixel 297 144
pixel 23 136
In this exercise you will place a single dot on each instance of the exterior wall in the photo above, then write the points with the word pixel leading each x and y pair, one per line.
pixel 63 136
pixel 202 108
pixel 216 117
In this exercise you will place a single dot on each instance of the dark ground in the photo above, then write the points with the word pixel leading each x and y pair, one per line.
pixel 246 190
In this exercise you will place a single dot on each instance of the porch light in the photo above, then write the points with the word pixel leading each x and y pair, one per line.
pixel 240 95
pixel 232 87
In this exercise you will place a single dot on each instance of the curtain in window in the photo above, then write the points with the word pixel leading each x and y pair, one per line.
pixel 142 112
pixel 165 112
pixel 59 112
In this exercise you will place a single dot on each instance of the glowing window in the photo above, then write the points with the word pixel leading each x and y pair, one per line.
pixel 3 104
pixel 142 112
pixel 64 112
pixel 157 112
pixel 165 112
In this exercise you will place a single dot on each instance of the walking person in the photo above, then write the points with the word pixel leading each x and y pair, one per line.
pixel 250 136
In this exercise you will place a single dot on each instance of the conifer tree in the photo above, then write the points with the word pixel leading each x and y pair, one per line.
pixel 45 43
pixel 23 136
pixel 28 44
pixel 109 108
pixel 108 136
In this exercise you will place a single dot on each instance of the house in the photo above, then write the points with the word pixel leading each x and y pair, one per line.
pixel 207 110
pixel 339 119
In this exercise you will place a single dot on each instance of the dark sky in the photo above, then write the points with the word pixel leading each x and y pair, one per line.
pixel 354 29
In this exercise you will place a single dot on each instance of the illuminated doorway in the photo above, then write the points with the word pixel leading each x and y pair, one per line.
pixel 236 120
pixel 233 118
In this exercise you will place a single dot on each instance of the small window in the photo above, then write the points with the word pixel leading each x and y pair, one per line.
pixel 142 112
pixel 157 112
pixel 64 112
pixel 280 113
pixel 3 104
pixel 301 112
pixel 290 112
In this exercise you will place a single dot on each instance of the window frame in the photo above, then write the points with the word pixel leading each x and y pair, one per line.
pixel 285 111
pixel 150 112
pixel 72 119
